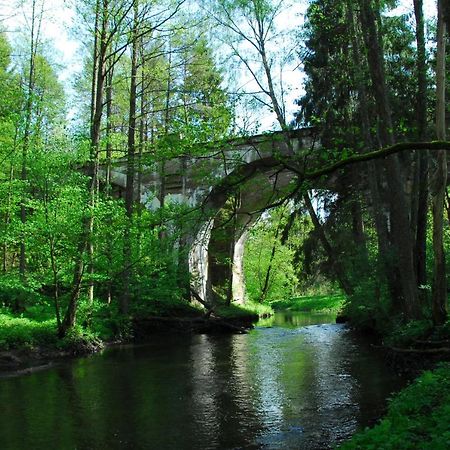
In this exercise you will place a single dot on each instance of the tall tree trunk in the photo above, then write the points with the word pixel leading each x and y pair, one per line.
pixel 374 168
pixel 129 192
pixel 34 39
pixel 400 224
pixel 421 157
pixel 440 181
pixel 108 169
pixel 85 243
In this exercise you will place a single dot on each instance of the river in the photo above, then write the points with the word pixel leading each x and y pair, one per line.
pixel 290 383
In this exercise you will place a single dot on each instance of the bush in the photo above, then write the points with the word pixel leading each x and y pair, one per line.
pixel 369 307
pixel 407 334
pixel 80 341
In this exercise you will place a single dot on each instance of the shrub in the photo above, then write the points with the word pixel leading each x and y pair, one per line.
pixel 22 332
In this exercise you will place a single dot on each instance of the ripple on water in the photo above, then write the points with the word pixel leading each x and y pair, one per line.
pixel 295 385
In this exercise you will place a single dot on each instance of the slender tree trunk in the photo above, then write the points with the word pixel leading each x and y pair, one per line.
pixel 34 36
pixel 440 181
pixel 108 168
pixel 374 169
pixel 7 218
pixel 421 157
pixel 85 243
pixel 129 192
pixel 266 285
pixel 162 189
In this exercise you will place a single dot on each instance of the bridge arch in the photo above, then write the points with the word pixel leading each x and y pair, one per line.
pixel 232 208
pixel 231 185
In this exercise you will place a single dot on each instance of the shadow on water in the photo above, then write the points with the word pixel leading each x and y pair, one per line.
pixel 293 385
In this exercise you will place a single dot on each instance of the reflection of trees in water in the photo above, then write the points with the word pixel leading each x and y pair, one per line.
pixel 296 319
pixel 222 380
pixel 280 387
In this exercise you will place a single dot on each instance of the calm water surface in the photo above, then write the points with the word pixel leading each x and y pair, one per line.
pixel 288 384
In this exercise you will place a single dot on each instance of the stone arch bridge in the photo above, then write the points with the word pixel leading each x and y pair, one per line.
pixel 229 185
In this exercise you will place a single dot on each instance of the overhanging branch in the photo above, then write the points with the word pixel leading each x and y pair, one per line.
pixel 382 153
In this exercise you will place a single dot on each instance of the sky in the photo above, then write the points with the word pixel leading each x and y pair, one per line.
pixel 57 29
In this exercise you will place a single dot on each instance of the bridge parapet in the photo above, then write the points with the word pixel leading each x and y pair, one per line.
pixel 189 179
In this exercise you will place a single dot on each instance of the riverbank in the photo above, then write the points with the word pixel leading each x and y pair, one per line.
pixel 418 417
pixel 181 384
pixel 30 340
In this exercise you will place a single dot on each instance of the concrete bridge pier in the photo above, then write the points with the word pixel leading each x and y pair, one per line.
pixel 216 263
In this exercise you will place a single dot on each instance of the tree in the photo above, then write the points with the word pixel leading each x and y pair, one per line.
pixel 35 27
pixel 440 179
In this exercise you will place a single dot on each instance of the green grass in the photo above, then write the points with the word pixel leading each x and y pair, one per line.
pixel 41 333
pixel 418 417
pixel 235 311
pixel 313 303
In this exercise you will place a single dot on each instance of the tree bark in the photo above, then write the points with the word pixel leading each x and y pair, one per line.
pixel 34 38
pixel 400 224
pixel 374 169
pixel 439 291
pixel 85 243
pixel 422 157
pixel 129 192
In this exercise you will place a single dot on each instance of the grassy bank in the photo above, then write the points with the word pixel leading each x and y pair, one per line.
pixel 418 417
pixel 314 303
pixel 250 309
pixel 36 327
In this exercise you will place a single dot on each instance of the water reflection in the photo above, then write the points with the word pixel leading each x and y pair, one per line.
pixel 284 387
